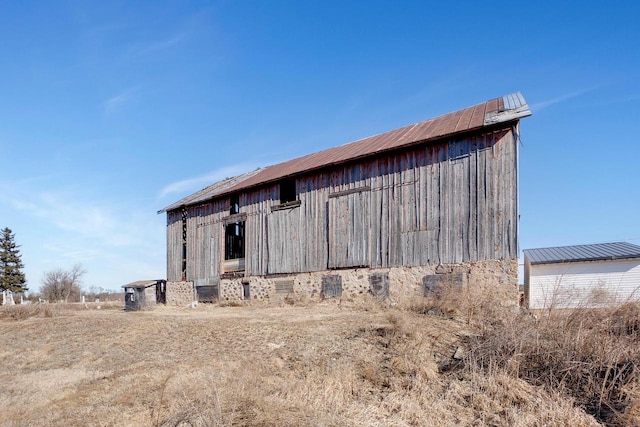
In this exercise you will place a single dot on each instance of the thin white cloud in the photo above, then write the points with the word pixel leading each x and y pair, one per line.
pixel 116 103
pixel 159 45
pixel 538 106
pixel 101 222
pixel 61 254
pixel 199 182
pixel 117 242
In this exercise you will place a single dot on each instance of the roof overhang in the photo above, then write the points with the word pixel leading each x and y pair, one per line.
pixel 142 283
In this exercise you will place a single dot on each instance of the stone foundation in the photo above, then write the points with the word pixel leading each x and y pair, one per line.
pixel 401 284
pixel 180 293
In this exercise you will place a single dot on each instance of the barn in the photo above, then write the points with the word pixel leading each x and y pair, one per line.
pixel 393 214
pixel 594 275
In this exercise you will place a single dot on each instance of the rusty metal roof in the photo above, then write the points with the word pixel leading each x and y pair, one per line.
pixel 500 110
pixel 581 253
pixel 213 190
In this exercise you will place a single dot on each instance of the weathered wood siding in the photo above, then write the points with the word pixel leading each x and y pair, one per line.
pixel 449 202
pixel 350 230
pixel 174 245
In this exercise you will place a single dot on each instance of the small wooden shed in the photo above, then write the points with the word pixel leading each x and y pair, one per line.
pixel 594 275
pixel 144 294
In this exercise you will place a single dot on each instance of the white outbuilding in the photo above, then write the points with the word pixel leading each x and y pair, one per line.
pixel 595 275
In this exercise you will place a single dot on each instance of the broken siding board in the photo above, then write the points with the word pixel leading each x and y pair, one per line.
pixel 472 231
pixel 466 201
pixel 461 192
pixel 413 207
pixel 305 211
pixel 483 218
pixel 174 245
pixel 506 197
pixel 300 225
pixel 376 215
pixel 422 198
pixel 514 209
pixel 322 230
pixel 252 228
pixel 191 244
pixel 457 192
pixel 431 212
pixel 198 249
pixel 497 199
pixel 396 212
pixel 443 216
pixel 511 207
pixel 490 199
pixel 216 237
pixel 249 202
pixel 384 215
pixel 482 201
pixel 452 204
pixel 505 200
pixel 318 234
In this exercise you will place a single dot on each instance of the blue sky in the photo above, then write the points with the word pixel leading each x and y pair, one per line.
pixel 110 111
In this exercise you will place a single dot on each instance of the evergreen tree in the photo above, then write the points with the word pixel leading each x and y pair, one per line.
pixel 11 276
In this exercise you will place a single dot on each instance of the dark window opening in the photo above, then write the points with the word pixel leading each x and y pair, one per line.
pixel 246 288
pixel 234 241
pixel 234 204
pixel 208 293
pixel 288 191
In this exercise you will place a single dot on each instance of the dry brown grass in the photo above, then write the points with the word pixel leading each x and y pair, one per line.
pixel 314 364
pixel 589 355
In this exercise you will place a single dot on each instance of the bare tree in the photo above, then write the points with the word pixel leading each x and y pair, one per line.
pixel 62 286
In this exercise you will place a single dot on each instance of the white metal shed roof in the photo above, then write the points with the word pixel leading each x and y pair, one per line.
pixel 579 253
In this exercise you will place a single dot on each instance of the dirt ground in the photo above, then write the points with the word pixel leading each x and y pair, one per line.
pixel 314 364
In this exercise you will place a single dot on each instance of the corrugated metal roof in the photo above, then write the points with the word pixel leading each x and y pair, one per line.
pixel 595 252
pixel 505 109
pixel 513 101
pixel 141 283
pixel 210 192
